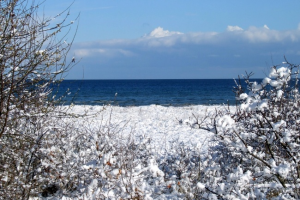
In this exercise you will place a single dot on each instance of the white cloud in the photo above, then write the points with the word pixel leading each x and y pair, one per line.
pixel 234 28
pixel 168 39
pixel 160 37
pixel 160 32
pixel 266 27
pixel 254 34
pixel 161 51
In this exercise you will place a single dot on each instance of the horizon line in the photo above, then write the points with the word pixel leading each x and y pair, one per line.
pixel 124 79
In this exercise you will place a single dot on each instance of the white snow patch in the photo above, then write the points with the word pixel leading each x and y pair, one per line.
pixel 243 96
pixel 279 94
pixel 200 186
pixel 278 125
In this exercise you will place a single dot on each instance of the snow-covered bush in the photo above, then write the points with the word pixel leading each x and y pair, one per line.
pixel 97 157
pixel 109 164
pixel 44 151
pixel 32 58
pixel 181 165
pixel 257 155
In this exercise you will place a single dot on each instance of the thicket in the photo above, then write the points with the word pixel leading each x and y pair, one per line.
pixel 31 58
pixel 257 156
pixel 45 152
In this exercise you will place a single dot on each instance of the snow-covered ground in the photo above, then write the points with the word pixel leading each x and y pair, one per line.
pixel 155 152
pixel 152 152
pixel 161 124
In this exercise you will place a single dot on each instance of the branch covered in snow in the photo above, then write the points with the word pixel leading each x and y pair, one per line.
pixel 257 155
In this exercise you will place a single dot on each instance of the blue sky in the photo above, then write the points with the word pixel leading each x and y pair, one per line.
pixel 138 39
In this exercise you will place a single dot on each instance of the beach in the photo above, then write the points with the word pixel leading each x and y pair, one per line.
pixel 161 124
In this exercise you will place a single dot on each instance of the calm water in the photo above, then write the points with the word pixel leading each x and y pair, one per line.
pixel 147 92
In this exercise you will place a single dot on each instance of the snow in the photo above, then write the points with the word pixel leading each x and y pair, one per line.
pixel 40 52
pixel 266 81
pixel 282 169
pixel 167 132
pixel 161 124
pixel 226 122
pixel 278 125
pixel 279 94
pixel 158 152
pixel 200 186
pixel 243 96
pixel 256 86
pixel 275 83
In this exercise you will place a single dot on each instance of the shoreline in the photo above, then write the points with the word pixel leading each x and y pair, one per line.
pixel 162 105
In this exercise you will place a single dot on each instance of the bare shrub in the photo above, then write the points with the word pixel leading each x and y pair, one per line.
pixel 32 58
pixel 258 152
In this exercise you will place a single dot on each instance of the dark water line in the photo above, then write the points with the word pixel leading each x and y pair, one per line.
pixel 146 92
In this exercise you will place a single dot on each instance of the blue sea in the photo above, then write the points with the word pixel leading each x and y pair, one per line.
pixel 167 92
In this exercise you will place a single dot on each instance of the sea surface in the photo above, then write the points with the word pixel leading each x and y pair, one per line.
pixel 167 92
